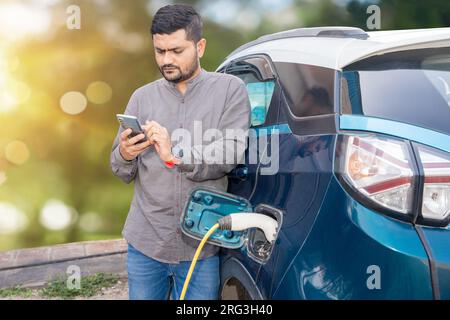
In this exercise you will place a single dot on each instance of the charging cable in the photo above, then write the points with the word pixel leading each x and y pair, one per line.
pixel 234 222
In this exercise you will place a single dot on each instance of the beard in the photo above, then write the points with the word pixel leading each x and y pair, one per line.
pixel 173 73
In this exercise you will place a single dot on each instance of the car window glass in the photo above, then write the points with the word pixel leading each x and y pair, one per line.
pixel 260 84
pixel 411 86
pixel 309 90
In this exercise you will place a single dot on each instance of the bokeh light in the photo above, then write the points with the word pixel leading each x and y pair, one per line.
pixel 19 20
pixel 2 177
pixel 13 93
pixel 13 64
pixel 90 222
pixel 99 92
pixel 7 102
pixel 12 220
pixel 17 152
pixel 56 215
pixel 73 102
pixel 19 90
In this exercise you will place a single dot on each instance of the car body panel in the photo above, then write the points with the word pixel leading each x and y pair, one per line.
pixel 331 246
pixel 306 167
pixel 348 239
pixel 337 53
pixel 402 130
pixel 438 240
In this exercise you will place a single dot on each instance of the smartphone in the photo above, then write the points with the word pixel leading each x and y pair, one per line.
pixel 131 122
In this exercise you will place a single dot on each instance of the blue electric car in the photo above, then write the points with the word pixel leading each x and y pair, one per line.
pixel 351 155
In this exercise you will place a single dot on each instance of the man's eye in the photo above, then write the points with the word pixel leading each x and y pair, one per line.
pixel 178 51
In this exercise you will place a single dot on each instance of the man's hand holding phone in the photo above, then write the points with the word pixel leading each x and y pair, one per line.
pixel 136 138
pixel 129 148
pixel 159 136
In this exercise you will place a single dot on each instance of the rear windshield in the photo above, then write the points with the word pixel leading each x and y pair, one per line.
pixel 409 86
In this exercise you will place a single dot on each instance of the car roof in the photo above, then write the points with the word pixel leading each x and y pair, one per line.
pixel 338 47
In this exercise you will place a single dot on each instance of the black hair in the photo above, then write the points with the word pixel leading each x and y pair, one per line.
pixel 171 18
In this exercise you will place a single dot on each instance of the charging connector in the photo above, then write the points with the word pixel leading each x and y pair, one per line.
pixel 234 222
pixel 243 221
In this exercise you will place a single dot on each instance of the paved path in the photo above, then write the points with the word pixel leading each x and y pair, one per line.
pixel 37 266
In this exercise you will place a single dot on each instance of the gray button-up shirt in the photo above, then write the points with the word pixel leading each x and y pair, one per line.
pixel 212 101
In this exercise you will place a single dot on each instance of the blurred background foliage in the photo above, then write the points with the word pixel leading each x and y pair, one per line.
pixel 60 90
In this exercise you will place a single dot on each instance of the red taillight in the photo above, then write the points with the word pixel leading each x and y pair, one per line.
pixel 380 168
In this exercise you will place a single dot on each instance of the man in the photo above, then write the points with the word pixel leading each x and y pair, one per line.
pixel 186 98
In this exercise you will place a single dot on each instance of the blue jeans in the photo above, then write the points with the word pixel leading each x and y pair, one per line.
pixel 149 279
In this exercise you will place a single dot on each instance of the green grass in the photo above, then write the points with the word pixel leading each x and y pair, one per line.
pixel 89 286
pixel 15 292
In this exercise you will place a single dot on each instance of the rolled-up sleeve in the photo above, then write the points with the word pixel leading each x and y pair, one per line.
pixel 124 169
pixel 212 161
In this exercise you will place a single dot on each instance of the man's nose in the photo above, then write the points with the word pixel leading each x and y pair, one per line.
pixel 168 58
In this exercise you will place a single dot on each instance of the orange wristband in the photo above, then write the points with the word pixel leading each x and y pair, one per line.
pixel 171 163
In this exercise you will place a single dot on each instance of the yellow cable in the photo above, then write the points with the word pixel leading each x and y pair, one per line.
pixel 194 260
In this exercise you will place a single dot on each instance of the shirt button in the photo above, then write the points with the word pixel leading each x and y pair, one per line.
pixel 178 231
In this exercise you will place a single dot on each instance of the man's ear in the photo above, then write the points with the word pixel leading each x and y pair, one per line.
pixel 201 45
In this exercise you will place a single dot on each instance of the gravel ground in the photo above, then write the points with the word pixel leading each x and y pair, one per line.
pixel 117 292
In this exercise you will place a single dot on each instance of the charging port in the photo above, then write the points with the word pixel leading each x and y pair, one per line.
pixel 259 249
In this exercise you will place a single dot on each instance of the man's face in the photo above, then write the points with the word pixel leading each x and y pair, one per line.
pixel 177 57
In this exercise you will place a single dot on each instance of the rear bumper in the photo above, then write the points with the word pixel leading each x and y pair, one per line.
pixel 353 252
pixel 438 242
